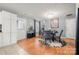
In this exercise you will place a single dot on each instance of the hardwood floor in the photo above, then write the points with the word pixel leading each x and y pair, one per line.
pixel 33 47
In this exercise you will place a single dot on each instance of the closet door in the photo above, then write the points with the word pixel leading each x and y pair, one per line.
pixel 0 32
pixel 0 18
pixel 6 27
pixel 0 39
pixel 13 18
pixel 6 39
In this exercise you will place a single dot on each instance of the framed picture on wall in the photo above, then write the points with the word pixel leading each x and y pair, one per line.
pixel 54 23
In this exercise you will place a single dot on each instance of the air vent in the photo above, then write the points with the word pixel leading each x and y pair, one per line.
pixel 69 15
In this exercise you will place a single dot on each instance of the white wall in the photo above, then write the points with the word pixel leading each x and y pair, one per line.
pixel 22 32
pixel 71 28
pixel 66 24
pixel 30 22
pixel 61 25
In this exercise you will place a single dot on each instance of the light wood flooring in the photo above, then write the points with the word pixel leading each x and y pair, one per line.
pixel 31 46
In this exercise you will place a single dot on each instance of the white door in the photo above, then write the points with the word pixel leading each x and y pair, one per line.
pixel 0 18
pixel 6 21
pixel 13 19
pixel 6 39
pixel 0 33
pixel 0 39
pixel 13 38
pixel 6 27
pixel 37 28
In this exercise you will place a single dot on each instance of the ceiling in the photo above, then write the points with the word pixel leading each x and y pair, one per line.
pixel 38 10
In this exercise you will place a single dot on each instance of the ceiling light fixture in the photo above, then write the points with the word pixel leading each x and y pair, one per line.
pixel 50 15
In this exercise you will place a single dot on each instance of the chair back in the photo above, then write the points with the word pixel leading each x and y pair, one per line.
pixel 60 33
